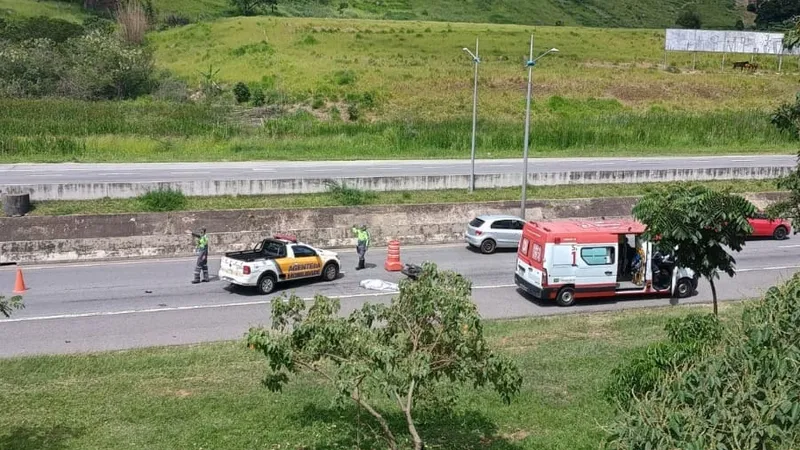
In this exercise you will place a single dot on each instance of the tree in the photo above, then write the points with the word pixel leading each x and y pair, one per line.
pixel 742 395
pixel 9 305
pixel 792 38
pixel 250 7
pixel 430 334
pixel 695 224
pixel 689 19
pixel 771 13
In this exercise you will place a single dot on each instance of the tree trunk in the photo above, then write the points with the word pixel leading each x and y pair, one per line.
pixel 412 429
pixel 16 204
pixel 387 432
pixel 713 294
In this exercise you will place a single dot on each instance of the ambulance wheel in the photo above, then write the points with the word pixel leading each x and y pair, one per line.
pixel 566 297
pixel 488 246
pixel 330 272
pixel 780 233
pixel 684 288
pixel 266 284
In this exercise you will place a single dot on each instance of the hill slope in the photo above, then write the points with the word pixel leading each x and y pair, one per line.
pixel 594 13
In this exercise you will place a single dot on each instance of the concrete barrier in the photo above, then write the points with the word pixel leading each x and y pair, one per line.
pixel 118 236
pixel 89 191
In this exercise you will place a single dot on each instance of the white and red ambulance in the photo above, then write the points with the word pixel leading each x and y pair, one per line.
pixel 577 259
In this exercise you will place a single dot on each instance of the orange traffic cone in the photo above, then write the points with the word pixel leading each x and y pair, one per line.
pixel 19 285
pixel 393 263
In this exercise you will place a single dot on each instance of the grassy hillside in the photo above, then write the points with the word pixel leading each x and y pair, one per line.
pixel 593 13
pixel 410 86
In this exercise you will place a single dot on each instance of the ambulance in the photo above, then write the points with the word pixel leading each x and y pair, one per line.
pixel 567 261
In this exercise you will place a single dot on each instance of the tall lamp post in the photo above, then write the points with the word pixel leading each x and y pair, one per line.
pixel 531 62
pixel 477 61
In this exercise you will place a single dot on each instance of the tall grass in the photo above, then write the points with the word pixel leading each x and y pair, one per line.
pixel 132 21
pixel 139 131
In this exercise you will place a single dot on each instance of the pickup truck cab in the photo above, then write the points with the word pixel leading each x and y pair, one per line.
pixel 275 260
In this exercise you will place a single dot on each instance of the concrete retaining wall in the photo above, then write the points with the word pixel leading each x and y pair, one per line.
pixel 73 238
pixel 86 191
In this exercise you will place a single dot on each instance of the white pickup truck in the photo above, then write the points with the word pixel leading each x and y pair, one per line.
pixel 275 260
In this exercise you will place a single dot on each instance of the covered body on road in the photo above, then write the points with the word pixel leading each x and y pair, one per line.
pixel 576 259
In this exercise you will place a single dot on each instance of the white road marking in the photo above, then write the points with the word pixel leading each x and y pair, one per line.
pixel 216 306
pixel 789 246
pixel 741 160
pixel 190 172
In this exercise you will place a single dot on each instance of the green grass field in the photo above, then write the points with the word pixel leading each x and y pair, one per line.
pixel 114 206
pixel 210 397
pixel 619 13
pixel 368 89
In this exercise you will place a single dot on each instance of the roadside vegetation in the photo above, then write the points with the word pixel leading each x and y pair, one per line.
pixel 211 395
pixel 338 195
pixel 279 88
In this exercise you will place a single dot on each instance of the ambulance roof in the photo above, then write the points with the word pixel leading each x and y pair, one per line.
pixel 587 230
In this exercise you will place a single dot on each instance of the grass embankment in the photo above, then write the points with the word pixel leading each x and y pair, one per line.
pixel 642 13
pixel 209 396
pixel 355 89
pixel 112 206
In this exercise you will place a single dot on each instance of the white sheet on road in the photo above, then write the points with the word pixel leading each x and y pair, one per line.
pixel 379 285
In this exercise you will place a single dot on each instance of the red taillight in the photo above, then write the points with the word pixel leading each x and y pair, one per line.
pixel 478 232
pixel 544 277
pixel 246 270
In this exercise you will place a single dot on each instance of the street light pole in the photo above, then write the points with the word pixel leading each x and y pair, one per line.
pixel 477 61
pixel 530 63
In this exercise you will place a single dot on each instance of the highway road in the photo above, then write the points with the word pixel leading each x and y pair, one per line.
pixel 119 305
pixel 16 174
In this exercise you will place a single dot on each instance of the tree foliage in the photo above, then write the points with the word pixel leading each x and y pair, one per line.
pixel 689 19
pixel 772 13
pixel 251 7
pixel 744 396
pixel 431 333
pixel 688 338
pixel 7 306
pixel 696 224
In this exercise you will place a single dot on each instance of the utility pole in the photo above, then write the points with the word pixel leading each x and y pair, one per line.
pixel 477 61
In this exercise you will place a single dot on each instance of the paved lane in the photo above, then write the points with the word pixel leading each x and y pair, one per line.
pixel 104 306
pixel 14 174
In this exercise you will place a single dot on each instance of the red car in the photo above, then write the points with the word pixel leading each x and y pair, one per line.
pixel 763 226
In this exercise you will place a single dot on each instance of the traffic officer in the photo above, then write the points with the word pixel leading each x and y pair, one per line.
pixel 362 236
pixel 201 249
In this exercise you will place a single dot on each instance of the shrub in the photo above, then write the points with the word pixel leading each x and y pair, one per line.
pixel 745 395
pixel 102 67
pixel 241 92
pixel 689 19
pixel 96 23
pixel 162 200
pixel 353 112
pixel 349 196
pixel 739 25
pixel 258 98
pixel 42 27
pixel 688 339
pixel 344 77
pixel 171 89
pixel 787 117
pixel 176 20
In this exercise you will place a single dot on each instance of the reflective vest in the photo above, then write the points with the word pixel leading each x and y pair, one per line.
pixel 362 235
pixel 202 243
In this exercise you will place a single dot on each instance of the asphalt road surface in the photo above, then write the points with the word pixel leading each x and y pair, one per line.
pixel 14 174
pixel 106 306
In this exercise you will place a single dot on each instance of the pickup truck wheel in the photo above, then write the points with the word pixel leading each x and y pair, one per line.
pixel 330 272
pixel 266 284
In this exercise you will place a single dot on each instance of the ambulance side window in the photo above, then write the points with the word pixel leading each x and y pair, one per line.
pixel 598 256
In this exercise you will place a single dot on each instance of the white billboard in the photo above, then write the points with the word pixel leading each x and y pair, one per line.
pixel 710 41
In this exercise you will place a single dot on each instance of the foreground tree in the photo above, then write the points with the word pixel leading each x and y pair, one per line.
pixel 429 334
pixel 744 395
pixel 7 306
pixel 695 224
pixel 250 7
